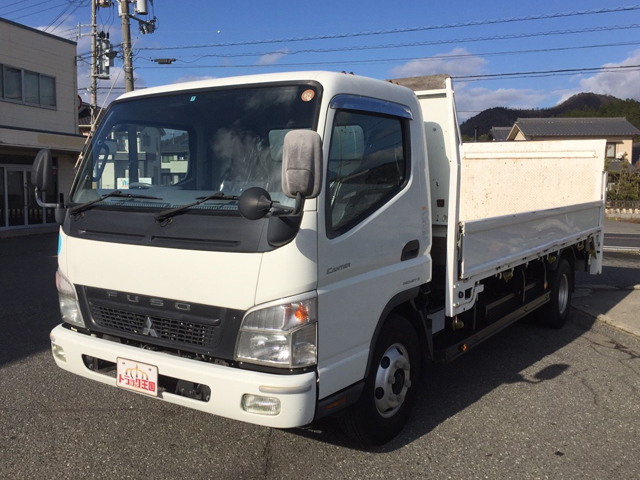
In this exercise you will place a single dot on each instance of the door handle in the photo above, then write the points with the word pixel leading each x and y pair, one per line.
pixel 410 250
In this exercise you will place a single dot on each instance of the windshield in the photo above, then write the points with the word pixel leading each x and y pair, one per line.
pixel 175 149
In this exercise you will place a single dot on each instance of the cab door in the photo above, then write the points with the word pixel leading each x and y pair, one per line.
pixel 373 236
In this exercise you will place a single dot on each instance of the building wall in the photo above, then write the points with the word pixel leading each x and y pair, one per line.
pixel 520 136
pixel 623 145
pixel 24 48
pixel 25 128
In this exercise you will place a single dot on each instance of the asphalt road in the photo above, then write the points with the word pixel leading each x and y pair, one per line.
pixel 528 403
pixel 621 235
pixel 622 240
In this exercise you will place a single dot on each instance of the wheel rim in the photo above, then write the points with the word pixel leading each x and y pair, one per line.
pixel 392 380
pixel 563 294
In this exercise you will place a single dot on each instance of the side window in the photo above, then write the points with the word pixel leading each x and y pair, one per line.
pixel 368 165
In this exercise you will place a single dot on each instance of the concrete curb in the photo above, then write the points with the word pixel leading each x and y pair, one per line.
pixel 606 287
pixel 614 306
pixel 608 321
pixel 632 250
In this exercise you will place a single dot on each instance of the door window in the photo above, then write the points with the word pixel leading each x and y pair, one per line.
pixel 16 197
pixel 368 165
pixel 18 206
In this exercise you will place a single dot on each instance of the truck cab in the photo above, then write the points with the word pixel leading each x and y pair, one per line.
pixel 265 320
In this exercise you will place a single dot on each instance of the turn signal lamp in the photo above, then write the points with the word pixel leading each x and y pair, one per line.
pixel 58 353
pixel 302 314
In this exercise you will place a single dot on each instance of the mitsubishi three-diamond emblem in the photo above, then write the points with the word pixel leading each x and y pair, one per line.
pixel 148 328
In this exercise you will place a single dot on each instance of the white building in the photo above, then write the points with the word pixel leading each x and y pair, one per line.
pixel 38 109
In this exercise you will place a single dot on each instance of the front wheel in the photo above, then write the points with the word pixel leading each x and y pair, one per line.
pixel 555 313
pixel 390 388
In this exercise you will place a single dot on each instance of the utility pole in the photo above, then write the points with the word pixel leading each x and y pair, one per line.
pixel 126 45
pixel 94 74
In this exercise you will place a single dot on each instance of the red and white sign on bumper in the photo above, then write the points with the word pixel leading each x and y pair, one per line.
pixel 136 376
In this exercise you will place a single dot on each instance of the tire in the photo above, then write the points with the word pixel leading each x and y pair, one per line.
pixel 390 388
pixel 556 312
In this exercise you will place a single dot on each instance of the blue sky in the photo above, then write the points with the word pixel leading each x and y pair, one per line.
pixel 538 45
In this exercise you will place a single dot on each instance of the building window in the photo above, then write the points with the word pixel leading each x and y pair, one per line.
pixel 47 91
pixel 611 150
pixel 31 88
pixel 12 88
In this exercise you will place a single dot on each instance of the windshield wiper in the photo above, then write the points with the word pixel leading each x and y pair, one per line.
pixel 115 193
pixel 172 212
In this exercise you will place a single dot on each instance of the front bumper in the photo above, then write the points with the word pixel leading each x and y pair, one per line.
pixel 297 393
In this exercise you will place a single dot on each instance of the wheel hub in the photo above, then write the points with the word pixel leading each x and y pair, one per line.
pixel 392 380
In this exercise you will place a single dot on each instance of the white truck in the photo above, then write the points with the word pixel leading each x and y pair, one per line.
pixel 278 248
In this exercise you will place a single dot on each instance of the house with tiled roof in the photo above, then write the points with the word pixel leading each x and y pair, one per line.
pixel 618 132
pixel 498 134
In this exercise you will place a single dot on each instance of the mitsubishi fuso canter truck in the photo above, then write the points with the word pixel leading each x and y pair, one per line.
pixel 279 248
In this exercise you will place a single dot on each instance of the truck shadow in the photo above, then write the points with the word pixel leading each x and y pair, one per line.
pixel 29 310
pixel 448 389
pixel 28 297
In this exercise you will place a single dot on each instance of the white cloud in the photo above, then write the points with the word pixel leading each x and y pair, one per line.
pixel 622 84
pixel 565 94
pixel 272 58
pixel 471 101
pixel 442 63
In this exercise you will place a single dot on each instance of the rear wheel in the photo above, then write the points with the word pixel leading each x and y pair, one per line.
pixel 555 313
pixel 390 388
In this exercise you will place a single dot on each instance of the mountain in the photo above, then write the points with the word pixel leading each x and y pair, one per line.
pixel 580 105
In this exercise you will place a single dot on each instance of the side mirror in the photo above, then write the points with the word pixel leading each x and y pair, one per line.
pixel 302 164
pixel 284 223
pixel 42 179
pixel 254 203
pixel 42 171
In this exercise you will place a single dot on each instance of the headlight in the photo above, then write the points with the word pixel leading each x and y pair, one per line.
pixel 283 335
pixel 69 308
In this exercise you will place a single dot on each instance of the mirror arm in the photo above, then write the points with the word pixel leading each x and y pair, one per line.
pixel 44 204
pixel 282 211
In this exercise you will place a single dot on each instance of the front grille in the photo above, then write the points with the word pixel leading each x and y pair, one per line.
pixel 186 333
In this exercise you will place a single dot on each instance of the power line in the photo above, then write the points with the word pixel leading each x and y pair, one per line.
pixel 539 73
pixel 400 59
pixel 39 11
pixel 77 4
pixel 564 71
pixel 417 44
pixel 11 4
pixel 404 30
pixel 25 8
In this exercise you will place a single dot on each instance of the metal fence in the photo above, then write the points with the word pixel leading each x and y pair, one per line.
pixel 623 204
